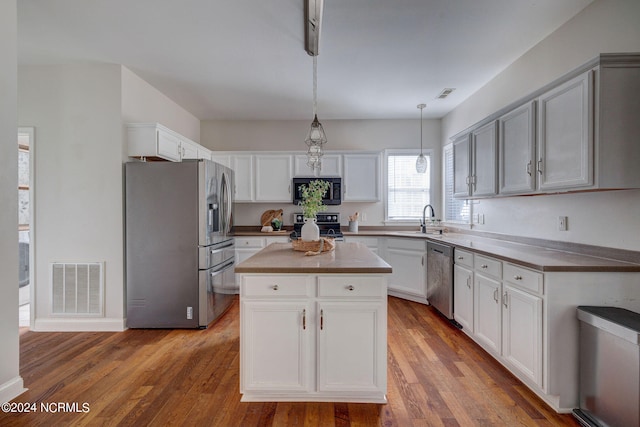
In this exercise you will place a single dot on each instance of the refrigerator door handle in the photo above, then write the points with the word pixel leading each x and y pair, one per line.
pixel 222 269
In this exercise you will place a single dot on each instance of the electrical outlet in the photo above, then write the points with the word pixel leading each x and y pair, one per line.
pixel 363 217
pixel 563 223
pixel 480 218
pixel 189 313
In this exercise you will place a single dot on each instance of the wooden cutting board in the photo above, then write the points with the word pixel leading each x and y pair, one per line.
pixel 268 216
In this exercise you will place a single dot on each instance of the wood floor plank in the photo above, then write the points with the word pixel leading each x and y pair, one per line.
pixel 437 376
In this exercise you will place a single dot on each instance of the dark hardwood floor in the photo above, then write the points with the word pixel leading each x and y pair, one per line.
pixel 436 377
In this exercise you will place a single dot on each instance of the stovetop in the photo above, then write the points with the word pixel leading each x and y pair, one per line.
pixel 328 223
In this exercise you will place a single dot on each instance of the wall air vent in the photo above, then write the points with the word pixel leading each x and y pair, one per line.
pixel 445 92
pixel 77 289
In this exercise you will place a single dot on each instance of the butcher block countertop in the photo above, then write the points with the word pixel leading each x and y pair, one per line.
pixel 350 258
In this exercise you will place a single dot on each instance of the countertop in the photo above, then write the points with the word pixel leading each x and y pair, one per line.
pixel 536 257
pixel 350 258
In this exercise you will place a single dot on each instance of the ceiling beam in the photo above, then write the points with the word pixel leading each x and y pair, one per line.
pixel 312 23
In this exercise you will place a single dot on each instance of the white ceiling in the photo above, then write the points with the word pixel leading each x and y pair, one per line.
pixel 244 59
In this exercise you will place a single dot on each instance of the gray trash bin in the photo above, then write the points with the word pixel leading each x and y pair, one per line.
pixel 609 367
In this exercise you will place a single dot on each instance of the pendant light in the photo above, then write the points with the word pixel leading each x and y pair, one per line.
pixel 421 161
pixel 316 137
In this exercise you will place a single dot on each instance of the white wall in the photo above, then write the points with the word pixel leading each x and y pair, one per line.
pixel 76 112
pixel 289 135
pixel 143 103
pixel 604 219
pixel 11 383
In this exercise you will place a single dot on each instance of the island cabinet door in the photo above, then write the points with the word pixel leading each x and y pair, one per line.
pixel 352 354
pixel 275 346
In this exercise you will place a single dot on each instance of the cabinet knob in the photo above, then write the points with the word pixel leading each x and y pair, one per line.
pixel 460 257
pixel 484 266
pixel 517 277
pixel 275 287
pixel 350 287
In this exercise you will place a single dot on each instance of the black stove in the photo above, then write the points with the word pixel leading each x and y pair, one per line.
pixel 328 223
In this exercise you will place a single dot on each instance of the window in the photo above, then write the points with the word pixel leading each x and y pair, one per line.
pixel 407 190
pixel 455 210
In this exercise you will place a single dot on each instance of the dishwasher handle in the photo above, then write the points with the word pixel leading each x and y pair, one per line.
pixel 440 249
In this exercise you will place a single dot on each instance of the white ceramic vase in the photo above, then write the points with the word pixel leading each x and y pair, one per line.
pixel 310 231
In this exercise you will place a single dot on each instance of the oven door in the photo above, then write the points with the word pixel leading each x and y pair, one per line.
pixel 217 290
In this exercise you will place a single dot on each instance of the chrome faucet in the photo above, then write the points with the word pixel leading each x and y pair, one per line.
pixel 423 224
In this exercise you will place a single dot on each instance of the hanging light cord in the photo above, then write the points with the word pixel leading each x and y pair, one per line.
pixel 315 85
pixel 421 130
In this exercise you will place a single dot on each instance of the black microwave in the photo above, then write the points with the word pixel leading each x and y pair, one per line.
pixel 333 196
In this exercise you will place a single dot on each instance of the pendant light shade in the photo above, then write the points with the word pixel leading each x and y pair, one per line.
pixel 421 161
pixel 316 137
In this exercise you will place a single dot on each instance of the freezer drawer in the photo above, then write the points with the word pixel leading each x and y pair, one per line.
pixel 609 366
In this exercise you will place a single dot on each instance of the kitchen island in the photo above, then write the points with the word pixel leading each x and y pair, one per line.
pixel 313 328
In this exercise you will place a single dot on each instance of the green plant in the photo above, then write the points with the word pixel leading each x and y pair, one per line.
pixel 312 197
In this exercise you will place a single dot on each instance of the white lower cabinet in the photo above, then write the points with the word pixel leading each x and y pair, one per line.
pixel 370 242
pixel 313 338
pixel 463 297
pixel 522 332
pixel 276 346
pixel 488 313
pixel 348 332
pixel 408 258
pixel 248 246
pixel 502 311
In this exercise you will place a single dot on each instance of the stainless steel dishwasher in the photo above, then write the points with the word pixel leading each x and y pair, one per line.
pixel 440 277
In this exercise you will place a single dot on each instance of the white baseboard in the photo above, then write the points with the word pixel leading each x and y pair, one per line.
pixel 406 295
pixel 79 325
pixel 11 389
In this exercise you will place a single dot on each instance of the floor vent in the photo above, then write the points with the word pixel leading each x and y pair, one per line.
pixel 77 288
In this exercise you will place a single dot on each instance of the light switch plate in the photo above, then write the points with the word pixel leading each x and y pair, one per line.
pixel 563 223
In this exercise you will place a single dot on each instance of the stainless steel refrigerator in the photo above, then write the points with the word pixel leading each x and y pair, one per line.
pixel 179 252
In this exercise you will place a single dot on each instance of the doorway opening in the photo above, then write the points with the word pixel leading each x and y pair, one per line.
pixel 25 225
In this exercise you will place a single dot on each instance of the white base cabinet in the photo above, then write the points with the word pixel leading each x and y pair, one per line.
pixel 319 337
pixel 408 258
pixel 522 332
pixel 487 313
pixel 505 303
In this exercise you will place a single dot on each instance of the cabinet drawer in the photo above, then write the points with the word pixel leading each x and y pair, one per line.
pixel 523 278
pixel 488 266
pixel 463 257
pixel 276 239
pixel 276 286
pixel 357 286
pixel 249 242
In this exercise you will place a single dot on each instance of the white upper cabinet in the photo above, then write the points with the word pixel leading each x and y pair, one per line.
pixel 484 142
pixel 154 141
pixel 189 150
pixel 575 134
pixel 242 166
pixel 474 163
pixel 331 166
pixel 565 139
pixel 273 177
pixel 462 166
pixel 516 146
pixel 361 178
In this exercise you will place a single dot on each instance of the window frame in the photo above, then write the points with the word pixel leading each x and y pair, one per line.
pixel 405 152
